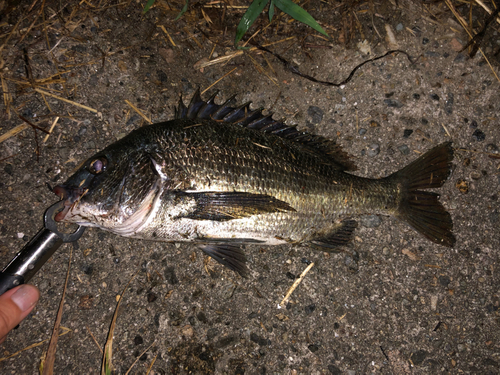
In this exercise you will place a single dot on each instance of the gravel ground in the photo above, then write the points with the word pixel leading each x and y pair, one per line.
pixel 389 302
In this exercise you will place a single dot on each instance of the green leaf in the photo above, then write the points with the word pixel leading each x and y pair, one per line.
pixel 249 18
pixel 184 10
pixel 300 14
pixel 271 10
pixel 149 4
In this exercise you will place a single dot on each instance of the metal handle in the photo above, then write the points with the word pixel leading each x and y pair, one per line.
pixel 36 252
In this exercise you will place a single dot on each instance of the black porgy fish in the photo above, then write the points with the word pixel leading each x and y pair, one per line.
pixel 222 176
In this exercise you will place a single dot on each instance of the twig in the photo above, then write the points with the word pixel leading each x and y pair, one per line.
pixel 464 25
pixel 51 129
pixel 139 112
pixel 220 79
pixel 13 132
pixel 48 366
pixel 66 100
pixel 139 356
pixel 295 285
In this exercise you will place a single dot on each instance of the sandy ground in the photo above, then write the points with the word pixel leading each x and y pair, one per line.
pixel 390 303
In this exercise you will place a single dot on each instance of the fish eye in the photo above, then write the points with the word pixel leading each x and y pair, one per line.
pixel 98 165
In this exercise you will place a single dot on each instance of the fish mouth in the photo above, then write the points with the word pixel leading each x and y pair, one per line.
pixel 70 195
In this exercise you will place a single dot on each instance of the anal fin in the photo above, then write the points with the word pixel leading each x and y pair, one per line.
pixel 339 237
pixel 230 256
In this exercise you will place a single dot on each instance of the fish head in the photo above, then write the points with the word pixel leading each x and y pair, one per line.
pixel 113 190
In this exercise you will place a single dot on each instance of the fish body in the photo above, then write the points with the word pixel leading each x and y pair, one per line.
pixel 223 176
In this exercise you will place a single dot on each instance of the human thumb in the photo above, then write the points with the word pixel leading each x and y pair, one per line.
pixel 15 305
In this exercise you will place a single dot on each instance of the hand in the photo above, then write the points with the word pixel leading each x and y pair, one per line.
pixel 15 305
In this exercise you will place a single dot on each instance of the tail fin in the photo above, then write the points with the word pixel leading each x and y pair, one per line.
pixel 421 209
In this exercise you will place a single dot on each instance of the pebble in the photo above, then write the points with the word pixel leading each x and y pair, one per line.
pixel 416 96
pixel 334 370
pixel 373 150
pixel 313 348
pixel 491 148
pixel 444 281
pixel 394 103
pixel 310 308
pixel 399 27
pixel 479 135
pixel 404 149
pixel 407 133
pixel 448 105
pixel 460 57
pixel 138 340
pixel 425 41
pixel 316 114
pixel 362 131
pixel 434 96
pixel 370 221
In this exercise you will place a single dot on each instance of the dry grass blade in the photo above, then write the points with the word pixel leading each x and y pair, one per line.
pixel 295 285
pixel 151 365
pixel 13 132
pixel 487 9
pixel 50 357
pixel 216 82
pixel 65 331
pixel 7 98
pixel 95 341
pixel 139 112
pixel 107 365
pixel 66 100
pixel 464 25
pixel 138 357
pixel 51 129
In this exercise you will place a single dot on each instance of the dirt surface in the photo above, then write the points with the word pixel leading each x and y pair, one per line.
pixel 390 302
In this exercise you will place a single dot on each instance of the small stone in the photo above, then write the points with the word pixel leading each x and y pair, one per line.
pixel 460 57
pixel 416 96
pixel 425 41
pixel 313 348
pixel 491 148
pixel 334 370
pixel 310 308
pixel 424 121
pixel 404 149
pixel 316 114
pixel 373 150
pixel 456 45
pixel 434 300
pixel 434 96
pixel 448 105
pixel 151 297
pixel 370 221
pixel 479 135
pixel 407 133
pixel 138 340
pixel 473 124
pixel 362 131
pixel 418 357
pixel 444 281
pixel 394 103
pixel 399 27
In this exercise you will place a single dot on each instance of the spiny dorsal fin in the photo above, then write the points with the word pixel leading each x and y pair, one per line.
pixel 255 119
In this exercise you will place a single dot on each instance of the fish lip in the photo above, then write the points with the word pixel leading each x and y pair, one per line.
pixel 71 195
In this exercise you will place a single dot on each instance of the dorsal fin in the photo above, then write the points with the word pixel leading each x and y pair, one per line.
pixel 255 119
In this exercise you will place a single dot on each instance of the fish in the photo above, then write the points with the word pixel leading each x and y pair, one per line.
pixel 223 176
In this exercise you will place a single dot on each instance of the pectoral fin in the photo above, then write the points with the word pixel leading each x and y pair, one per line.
pixel 233 205
pixel 340 236
pixel 228 255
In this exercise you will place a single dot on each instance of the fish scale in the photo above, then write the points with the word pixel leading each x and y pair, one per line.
pixel 222 177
